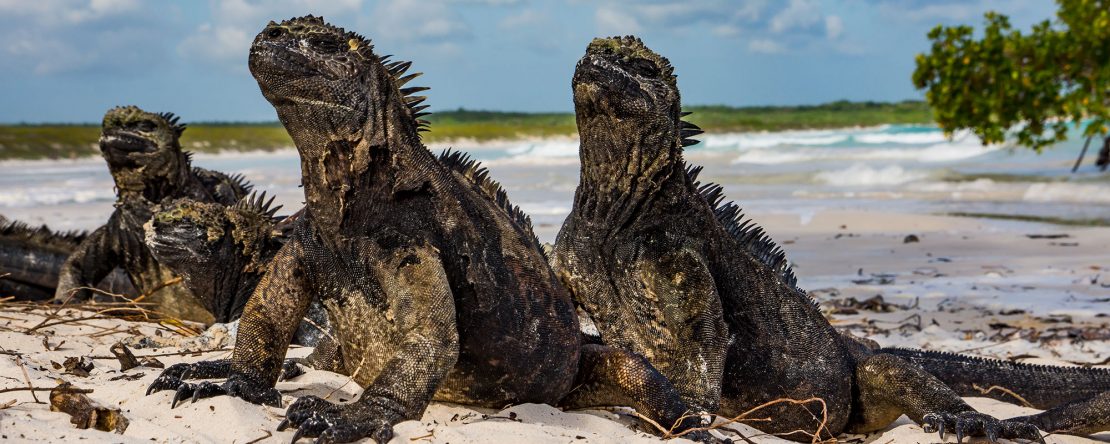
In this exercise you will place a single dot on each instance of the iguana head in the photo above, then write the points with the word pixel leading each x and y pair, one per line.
pixel 628 111
pixel 619 77
pixel 212 246
pixel 142 150
pixel 342 104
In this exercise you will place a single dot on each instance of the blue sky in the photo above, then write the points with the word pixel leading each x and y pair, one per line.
pixel 70 60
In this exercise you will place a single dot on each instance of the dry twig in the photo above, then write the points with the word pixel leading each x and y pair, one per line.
pixel 986 391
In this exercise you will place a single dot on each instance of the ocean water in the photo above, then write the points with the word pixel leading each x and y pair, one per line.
pixel 903 168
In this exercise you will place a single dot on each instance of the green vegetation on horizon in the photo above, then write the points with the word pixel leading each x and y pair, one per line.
pixel 65 141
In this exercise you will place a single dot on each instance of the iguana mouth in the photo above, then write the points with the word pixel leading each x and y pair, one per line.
pixel 272 56
pixel 125 142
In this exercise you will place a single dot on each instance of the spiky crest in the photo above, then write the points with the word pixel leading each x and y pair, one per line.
pixel 686 130
pixel 241 181
pixel 172 120
pixel 745 231
pixel 478 175
pixel 256 203
pixel 997 363
pixel 41 235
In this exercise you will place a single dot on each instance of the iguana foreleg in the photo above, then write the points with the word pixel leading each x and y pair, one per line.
pixel 90 262
pixel 265 330
pixel 889 387
pixel 419 298
pixel 609 376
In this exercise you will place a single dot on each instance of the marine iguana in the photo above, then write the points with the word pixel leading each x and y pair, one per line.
pixel 221 253
pixel 31 258
pixel 148 166
pixel 434 282
pixel 658 261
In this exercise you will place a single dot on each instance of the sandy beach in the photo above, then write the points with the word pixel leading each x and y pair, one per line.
pixel 1031 292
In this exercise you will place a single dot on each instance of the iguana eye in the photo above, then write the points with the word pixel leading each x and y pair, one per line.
pixel 145 126
pixel 274 33
pixel 324 44
pixel 644 67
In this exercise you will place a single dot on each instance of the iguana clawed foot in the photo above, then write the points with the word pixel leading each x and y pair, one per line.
pixel 978 424
pixel 175 375
pixel 173 378
pixel 334 423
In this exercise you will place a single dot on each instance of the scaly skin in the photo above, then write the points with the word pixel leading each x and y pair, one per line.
pixel 1076 400
pixel 149 167
pixel 434 283
pixel 31 258
pixel 666 271
pixel 221 253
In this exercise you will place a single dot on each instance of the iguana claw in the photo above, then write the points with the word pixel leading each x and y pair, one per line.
pixel 966 424
pixel 184 391
pixel 332 423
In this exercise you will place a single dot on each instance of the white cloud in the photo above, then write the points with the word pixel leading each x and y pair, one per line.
pixel 766 46
pixel 834 27
pixel 750 10
pixel 613 21
pixel 725 30
pixel 59 12
pixel 38 36
pixel 942 12
pixel 489 2
pixel 225 40
pixel 799 14
pixel 526 18
pixel 418 21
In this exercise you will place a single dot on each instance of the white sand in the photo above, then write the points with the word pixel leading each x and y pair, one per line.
pixel 963 273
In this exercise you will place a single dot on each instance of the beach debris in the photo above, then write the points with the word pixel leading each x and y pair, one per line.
pixel 928 272
pixel 128 361
pixel 824 293
pixel 85 413
pixel 76 366
pixel 130 377
pixel 851 305
pixel 48 347
pixel 876 279
pixel 215 337
pixel 1048 236
pixel 910 239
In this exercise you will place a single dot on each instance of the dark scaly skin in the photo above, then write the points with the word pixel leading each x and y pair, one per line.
pixel 658 263
pixel 32 257
pixel 434 283
pixel 148 167
pixel 221 253
pixel 1076 400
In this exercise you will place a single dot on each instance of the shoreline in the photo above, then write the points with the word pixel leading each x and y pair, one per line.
pixel 203 149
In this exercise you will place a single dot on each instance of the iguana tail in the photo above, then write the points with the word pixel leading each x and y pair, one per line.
pixel 31 259
pixel 1039 386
